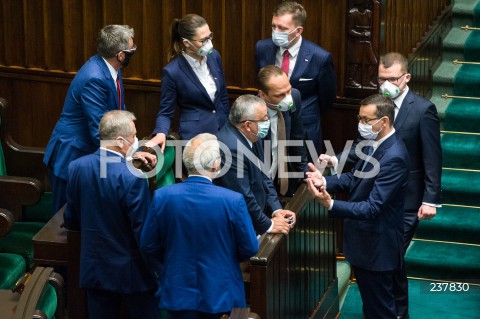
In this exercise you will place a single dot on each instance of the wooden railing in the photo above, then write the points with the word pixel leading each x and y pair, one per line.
pixel 294 276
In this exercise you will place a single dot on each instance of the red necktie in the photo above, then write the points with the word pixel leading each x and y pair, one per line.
pixel 119 93
pixel 286 61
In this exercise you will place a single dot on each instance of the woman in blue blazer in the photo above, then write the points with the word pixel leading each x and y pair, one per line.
pixel 193 82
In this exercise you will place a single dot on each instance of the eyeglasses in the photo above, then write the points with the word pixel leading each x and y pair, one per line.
pixel 132 50
pixel 391 80
pixel 365 120
pixel 202 41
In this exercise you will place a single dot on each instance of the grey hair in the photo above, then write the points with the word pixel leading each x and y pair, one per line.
pixel 113 39
pixel 201 153
pixel 115 123
pixel 244 108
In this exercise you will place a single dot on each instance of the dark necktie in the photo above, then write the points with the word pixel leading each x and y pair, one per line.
pixel 369 150
pixel 119 93
pixel 282 136
pixel 286 61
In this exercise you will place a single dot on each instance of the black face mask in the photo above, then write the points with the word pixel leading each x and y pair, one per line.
pixel 128 56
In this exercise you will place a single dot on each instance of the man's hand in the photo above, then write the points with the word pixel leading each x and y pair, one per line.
pixel 426 212
pixel 320 194
pixel 159 140
pixel 280 225
pixel 315 176
pixel 288 215
pixel 327 161
pixel 146 158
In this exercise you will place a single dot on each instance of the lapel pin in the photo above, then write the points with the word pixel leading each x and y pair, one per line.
pixel 306 60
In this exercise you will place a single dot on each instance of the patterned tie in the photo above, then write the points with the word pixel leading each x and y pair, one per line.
pixel 282 136
pixel 286 62
pixel 119 93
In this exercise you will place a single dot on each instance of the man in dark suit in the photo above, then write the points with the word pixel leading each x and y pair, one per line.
pixel 373 216
pixel 109 204
pixel 416 123
pixel 245 169
pixel 200 232
pixel 96 89
pixel 309 67
pixel 286 130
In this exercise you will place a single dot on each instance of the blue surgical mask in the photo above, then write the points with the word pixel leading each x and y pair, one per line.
pixel 281 38
pixel 366 132
pixel 263 128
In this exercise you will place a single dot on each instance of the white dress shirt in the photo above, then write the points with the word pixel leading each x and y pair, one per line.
pixel 201 70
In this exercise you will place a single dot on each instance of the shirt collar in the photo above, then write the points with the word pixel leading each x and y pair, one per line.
pixel 112 151
pixel 249 142
pixel 293 50
pixel 194 62
pixel 113 72
pixel 195 175
pixel 399 100
pixel 376 144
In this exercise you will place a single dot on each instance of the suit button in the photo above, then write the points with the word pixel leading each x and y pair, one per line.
pixel 214 111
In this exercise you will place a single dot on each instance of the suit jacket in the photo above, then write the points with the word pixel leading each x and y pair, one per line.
pixel 92 93
pixel 294 131
pixel 245 177
pixel 313 75
pixel 110 213
pixel 373 216
pixel 198 113
pixel 200 232
pixel 418 126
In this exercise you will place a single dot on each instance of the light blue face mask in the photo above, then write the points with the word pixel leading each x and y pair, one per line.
pixel 281 38
pixel 263 128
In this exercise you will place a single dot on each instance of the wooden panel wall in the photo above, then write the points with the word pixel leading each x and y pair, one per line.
pixel 44 42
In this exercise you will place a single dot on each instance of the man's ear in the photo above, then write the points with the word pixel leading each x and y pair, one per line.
pixel 261 94
pixel 119 142
pixel 299 31
pixel 408 77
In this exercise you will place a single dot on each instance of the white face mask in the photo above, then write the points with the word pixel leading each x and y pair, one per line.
pixel 366 132
pixel 134 145
pixel 281 38
pixel 205 49
pixel 286 104
pixel 390 90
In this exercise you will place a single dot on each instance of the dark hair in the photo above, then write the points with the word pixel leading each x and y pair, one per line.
pixel 297 11
pixel 392 58
pixel 184 28
pixel 265 74
pixel 384 106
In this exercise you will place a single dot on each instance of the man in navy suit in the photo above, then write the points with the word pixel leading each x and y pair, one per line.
pixel 416 123
pixel 200 232
pixel 245 168
pixel 96 89
pixel 373 216
pixel 109 205
pixel 309 67
pixel 286 130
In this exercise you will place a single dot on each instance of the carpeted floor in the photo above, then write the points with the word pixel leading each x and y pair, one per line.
pixel 424 303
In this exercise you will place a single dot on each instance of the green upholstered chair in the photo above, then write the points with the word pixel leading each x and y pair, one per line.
pixel 12 266
pixel 165 174
pixel 26 162
pixel 41 297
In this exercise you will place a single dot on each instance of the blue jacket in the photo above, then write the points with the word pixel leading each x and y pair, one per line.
pixel 256 187
pixel 200 232
pixel 313 75
pixel 110 213
pixel 373 216
pixel 92 93
pixel 182 89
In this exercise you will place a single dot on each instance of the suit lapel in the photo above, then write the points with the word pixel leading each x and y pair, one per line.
pixel 108 77
pixel 303 60
pixel 185 67
pixel 405 109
